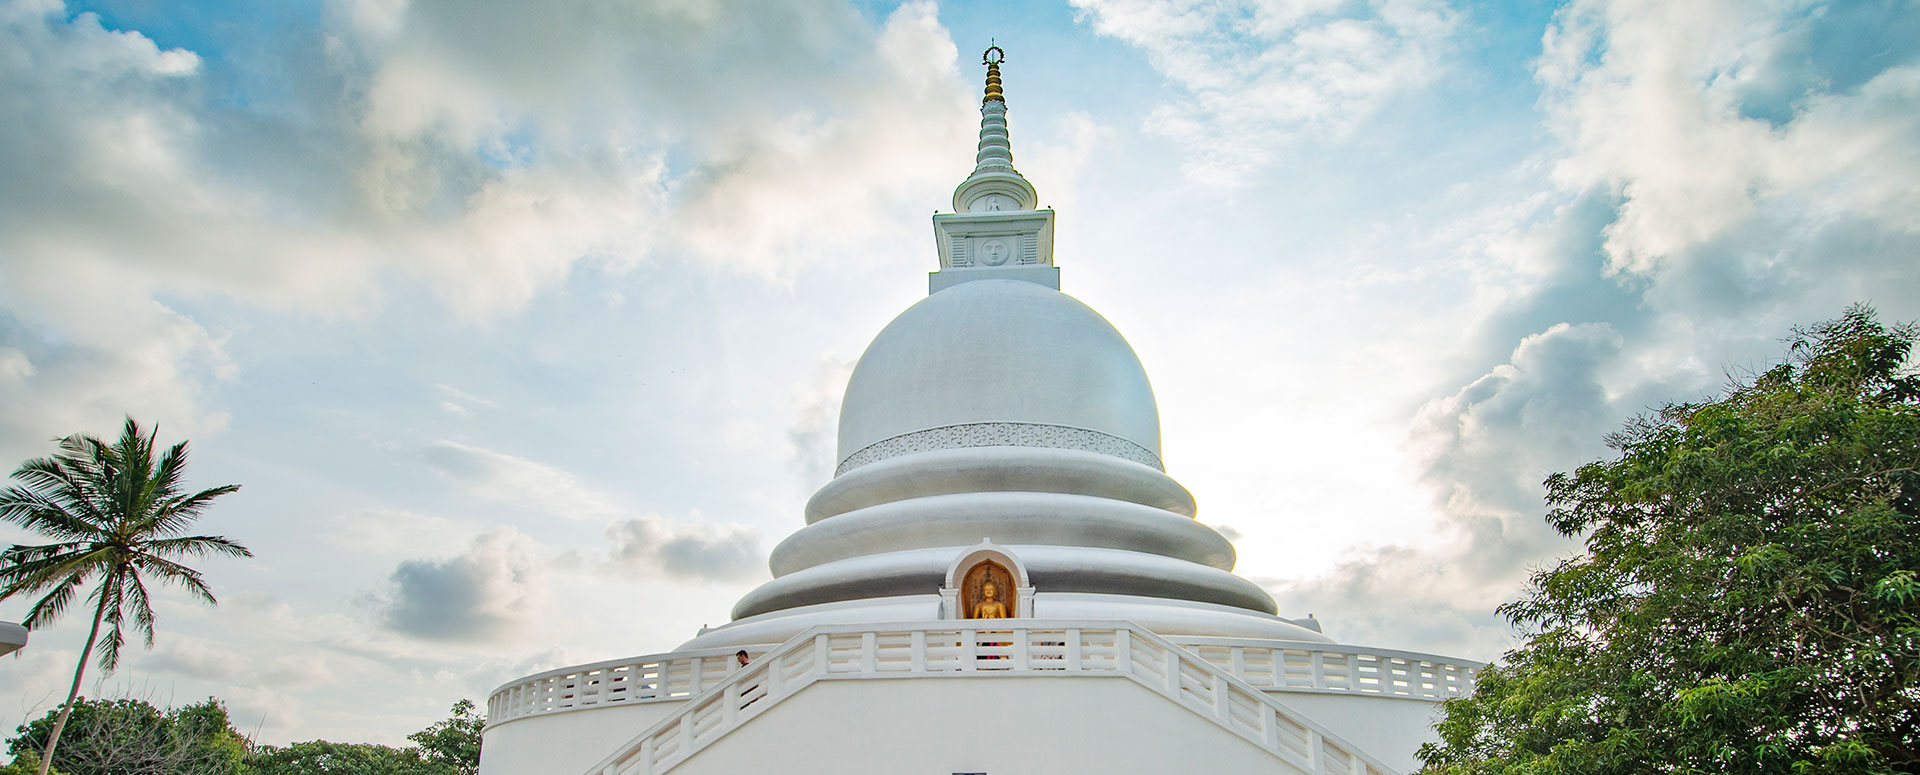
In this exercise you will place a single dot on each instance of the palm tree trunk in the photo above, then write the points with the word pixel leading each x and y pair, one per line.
pixel 99 612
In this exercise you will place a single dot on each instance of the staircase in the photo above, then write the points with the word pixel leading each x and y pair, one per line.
pixel 973 649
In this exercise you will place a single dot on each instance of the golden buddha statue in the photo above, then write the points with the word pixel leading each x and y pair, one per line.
pixel 989 606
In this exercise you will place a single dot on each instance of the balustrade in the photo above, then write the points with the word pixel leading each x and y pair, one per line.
pixel 655 678
pixel 1266 665
pixel 1045 648
pixel 1336 669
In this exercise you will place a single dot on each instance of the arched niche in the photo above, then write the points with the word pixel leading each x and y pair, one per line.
pixel 967 575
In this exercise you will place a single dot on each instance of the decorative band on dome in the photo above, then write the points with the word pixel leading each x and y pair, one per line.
pixel 1000 434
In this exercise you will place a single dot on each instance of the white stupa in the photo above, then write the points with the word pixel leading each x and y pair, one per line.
pixel 1000 578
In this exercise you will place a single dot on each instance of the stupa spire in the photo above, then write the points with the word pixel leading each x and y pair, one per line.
pixel 994 232
pixel 994 185
pixel 993 73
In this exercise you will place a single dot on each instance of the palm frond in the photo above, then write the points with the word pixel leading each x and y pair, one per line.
pixel 177 513
pixel 67 486
pixel 29 552
pixel 195 546
pixel 49 607
pixel 29 568
pixel 131 465
pixel 136 597
pixel 110 642
pixel 34 511
pixel 87 458
pixel 165 479
pixel 178 575
pixel 45 569
pixel 91 469
pixel 114 592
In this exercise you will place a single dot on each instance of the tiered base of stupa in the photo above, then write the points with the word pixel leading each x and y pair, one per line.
pixel 978 696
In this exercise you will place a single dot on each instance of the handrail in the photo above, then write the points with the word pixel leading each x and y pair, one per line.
pixel 1268 665
pixel 652 678
pixel 971 649
pixel 1331 668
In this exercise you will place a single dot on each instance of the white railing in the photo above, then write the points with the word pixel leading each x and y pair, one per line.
pixel 653 678
pixel 1336 669
pixel 1264 664
pixel 1039 647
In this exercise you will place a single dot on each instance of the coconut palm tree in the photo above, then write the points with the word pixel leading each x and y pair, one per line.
pixel 116 515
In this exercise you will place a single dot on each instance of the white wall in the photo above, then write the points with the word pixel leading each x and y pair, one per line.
pixel 1388 728
pixel 565 743
pixel 998 725
pixel 911 726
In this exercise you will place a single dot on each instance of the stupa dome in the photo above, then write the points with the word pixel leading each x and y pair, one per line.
pixel 1002 362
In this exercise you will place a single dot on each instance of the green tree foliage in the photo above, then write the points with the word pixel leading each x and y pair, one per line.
pixel 319 757
pixel 449 747
pixel 117 516
pixel 1748 600
pixel 454 742
pixel 26 766
pixel 131 737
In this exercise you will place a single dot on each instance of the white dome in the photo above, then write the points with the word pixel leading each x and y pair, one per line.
pixel 999 362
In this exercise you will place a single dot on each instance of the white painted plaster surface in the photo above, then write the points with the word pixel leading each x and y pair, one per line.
pixel 12 637
pixel 1056 568
pixel 1055 519
pixel 998 351
pixel 1000 726
pixel 1167 617
pixel 1391 729
pixel 564 743
pixel 999 469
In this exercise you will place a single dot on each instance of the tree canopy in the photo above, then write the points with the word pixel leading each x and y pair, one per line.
pixel 1747 601
pixel 320 757
pixel 132 737
pixel 454 742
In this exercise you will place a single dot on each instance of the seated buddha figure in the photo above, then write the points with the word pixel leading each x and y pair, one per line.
pixel 990 606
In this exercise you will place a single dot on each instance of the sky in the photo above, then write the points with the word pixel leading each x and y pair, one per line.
pixel 523 326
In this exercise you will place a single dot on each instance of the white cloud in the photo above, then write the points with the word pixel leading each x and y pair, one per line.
pixel 386 532
pixel 1405 597
pixel 511 479
pixel 91 127
pixel 258 707
pixel 194 657
pixel 1486 449
pixel 1730 143
pixel 88 382
pixel 760 131
pixel 1260 74
pixel 496 589
pixel 37 678
pixel 815 408
pixel 1490 445
pixel 1062 164
pixel 480 150
pixel 651 546
pixel 464 399
pixel 14 364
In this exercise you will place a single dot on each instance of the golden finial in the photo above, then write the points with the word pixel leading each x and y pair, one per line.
pixel 992 58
